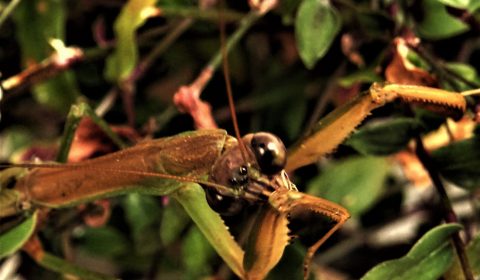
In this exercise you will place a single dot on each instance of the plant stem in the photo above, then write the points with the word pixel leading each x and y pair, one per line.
pixel 449 214
pixel 440 67
pixel 35 250
pixel 161 47
pixel 8 10
pixel 187 98
pixel 202 14
pixel 245 24
pixel 324 98
pixel 76 114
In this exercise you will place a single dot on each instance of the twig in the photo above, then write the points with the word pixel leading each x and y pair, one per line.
pixel 245 24
pixel 440 67
pixel 465 16
pixel 446 206
pixel 127 87
pixel 8 10
pixel 50 67
pixel 187 98
pixel 323 99
pixel 160 48
pixel 59 61
pixel 106 103
pixel 203 14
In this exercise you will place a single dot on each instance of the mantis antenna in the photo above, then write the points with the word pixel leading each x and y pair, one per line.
pixel 187 179
pixel 226 75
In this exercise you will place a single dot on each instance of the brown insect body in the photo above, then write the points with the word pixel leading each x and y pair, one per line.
pixel 188 154
pixel 279 196
pixel 253 172
pixel 215 155
pixel 232 170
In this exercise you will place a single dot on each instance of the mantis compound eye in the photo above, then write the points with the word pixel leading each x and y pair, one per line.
pixel 224 205
pixel 270 152
pixel 239 177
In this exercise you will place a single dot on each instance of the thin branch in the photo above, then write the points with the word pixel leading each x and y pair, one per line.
pixel 160 48
pixel 324 98
pixel 447 209
pixel 202 14
pixel 48 68
pixel 8 10
pixel 465 16
pixel 127 87
pixel 441 68
pixel 187 98
pixel 233 40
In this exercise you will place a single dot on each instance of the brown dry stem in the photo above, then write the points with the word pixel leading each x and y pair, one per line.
pixel 48 68
pixel 187 99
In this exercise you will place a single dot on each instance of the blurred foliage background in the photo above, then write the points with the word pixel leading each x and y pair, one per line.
pixel 295 64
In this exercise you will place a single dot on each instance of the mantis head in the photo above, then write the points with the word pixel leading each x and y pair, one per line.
pixel 261 173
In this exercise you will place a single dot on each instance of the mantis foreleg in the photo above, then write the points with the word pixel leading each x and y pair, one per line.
pixel 267 241
pixel 192 198
pixel 333 129
pixel 285 201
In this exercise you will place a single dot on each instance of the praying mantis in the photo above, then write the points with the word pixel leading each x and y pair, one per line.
pixel 252 169
pixel 170 166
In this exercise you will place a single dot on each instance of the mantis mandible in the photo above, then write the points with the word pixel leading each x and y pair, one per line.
pixel 230 169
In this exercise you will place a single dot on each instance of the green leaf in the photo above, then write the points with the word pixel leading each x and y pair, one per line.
pixel 460 4
pixel 13 139
pixel 429 120
pixel 36 22
pixel 142 213
pixel 437 23
pixel 294 116
pixel 360 76
pixel 64 267
pixel 59 92
pixel 174 221
pixel 287 10
pixel 354 183
pixel 428 259
pixel 470 5
pixel 9 199
pixel 122 61
pixel 459 162
pixel 105 241
pixel 14 239
pixel 473 255
pixel 291 263
pixel 316 25
pixel 192 198
pixel 281 97
pixel 383 138
pixel 197 253
pixel 466 71
pixel 372 23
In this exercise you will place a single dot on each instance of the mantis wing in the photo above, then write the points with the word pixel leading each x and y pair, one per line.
pixel 189 154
